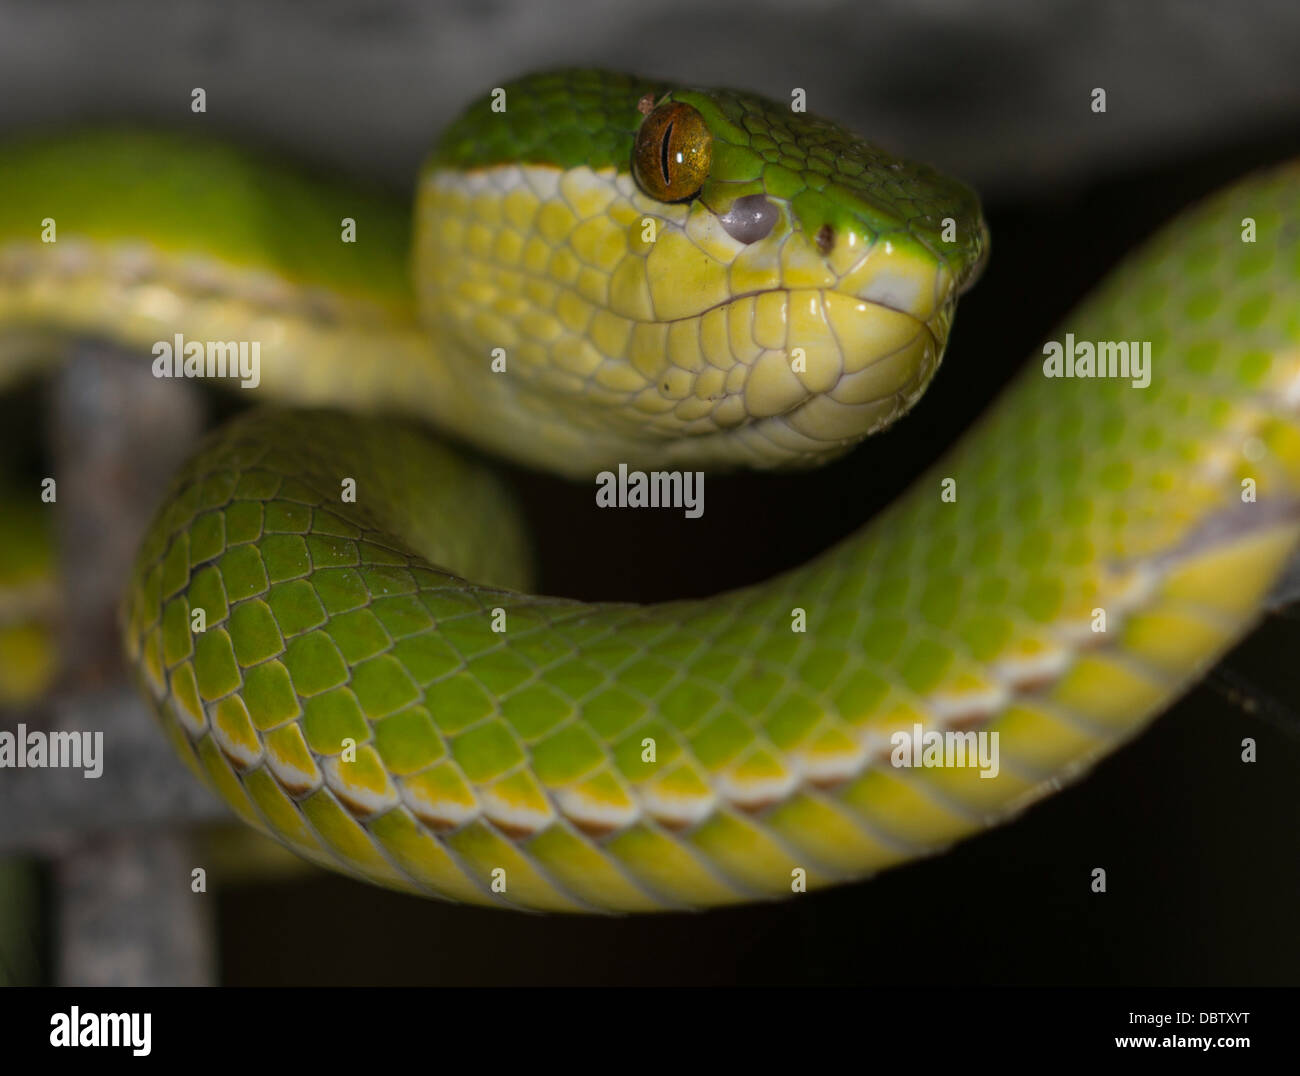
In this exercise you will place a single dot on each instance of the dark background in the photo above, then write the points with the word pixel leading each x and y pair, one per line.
pixel 1201 851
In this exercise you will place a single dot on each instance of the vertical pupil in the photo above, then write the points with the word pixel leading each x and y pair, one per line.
pixel 663 153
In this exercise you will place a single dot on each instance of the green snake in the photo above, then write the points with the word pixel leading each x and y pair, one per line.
pixel 603 270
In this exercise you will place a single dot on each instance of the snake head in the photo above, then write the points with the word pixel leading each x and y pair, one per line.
pixel 734 282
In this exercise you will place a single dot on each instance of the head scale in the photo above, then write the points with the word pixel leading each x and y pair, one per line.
pixel 691 276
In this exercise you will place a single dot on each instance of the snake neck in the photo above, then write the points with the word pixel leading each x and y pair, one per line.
pixel 158 243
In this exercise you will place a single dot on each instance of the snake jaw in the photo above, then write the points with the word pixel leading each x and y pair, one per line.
pixel 856 320
pixel 664 338
pixel 799 302
pixel 845 337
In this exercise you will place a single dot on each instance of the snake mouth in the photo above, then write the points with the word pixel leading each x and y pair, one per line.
pixel 806 373
pixel 876 301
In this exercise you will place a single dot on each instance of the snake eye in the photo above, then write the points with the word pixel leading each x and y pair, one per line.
pixel 672 152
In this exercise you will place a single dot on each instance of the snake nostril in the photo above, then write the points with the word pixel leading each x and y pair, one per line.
pixel 750 218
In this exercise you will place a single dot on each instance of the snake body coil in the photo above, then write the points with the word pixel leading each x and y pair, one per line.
pixel 1057 579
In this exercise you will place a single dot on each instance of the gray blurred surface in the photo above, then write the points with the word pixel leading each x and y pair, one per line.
pixel 115 434
pixel 143 786
pixel 998 91
pixel 125 915
pixel 124 912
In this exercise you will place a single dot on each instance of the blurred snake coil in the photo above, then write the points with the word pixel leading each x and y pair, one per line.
pixel 600 270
